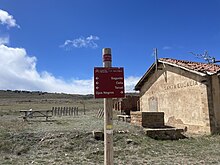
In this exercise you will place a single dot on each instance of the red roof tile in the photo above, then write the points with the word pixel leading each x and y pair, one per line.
pixel 195 66
pixel 199 67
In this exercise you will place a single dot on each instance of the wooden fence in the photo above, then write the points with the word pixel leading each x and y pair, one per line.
pixel 100 113
pixel 65 111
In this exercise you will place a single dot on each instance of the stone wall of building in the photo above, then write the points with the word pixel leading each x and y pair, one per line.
pixel 216 103
pixel 181 95
pixel 127 104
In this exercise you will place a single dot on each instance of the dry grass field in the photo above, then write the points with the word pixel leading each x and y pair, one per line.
pixel 68 139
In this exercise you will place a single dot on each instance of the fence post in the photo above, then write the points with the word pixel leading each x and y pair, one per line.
pixel 61 108
pixel 66 111
pixel 84 109
pixel 58 111
pixel 69 111
pixel 99 113
pixel 77 111
pixel 52 111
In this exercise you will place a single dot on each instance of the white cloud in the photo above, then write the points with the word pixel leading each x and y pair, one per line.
pixel 18 69
pixel 4 40
pixel 18 72
pixel 7 19
pixel 167 48
pixel 172 47
pixel 82 42
pixel 130 83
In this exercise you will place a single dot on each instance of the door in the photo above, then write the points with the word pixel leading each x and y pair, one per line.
pixel 153 104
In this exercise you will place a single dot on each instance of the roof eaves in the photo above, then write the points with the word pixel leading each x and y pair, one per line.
pixel 210 73
pixel 139 84
pixel 193 71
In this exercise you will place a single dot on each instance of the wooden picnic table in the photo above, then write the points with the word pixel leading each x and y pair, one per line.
pixel 124 117
pixel 35 113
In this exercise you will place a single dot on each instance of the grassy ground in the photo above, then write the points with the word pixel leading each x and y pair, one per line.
pixel 68 140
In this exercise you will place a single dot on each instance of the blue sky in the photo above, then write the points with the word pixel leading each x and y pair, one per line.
pixel 54 45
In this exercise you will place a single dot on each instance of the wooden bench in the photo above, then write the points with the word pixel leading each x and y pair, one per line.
pixel 125 118
pixel 35 113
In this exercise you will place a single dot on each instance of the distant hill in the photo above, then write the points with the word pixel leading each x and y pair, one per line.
pixel 5 94
pixel 22 94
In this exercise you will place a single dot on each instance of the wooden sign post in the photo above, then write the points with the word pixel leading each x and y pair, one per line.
pixel 108 114
pixel 108 84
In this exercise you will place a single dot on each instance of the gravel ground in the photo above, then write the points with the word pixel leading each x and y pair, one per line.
pixel 69 140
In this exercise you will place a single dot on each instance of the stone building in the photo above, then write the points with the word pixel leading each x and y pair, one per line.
pixel 187 92
pixel 127 104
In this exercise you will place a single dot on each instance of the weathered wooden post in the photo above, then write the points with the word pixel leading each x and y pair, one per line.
pixel 72 111
pixel 108 114
pixel 108 84
pixel 52 111
pixel 58 111
pixel 84 108
pixel 61 111
pixel 77 111
pixel 66 109
pixel 69 111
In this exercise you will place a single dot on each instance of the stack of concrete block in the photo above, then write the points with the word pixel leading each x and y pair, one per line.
pixel 165 133
pixel 136 118
pixel 148 119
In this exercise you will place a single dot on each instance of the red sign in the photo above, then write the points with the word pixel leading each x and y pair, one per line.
pixel 109 82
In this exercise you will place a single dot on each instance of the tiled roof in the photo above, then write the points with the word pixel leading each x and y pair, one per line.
pixel 197 67
pixel 194 66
